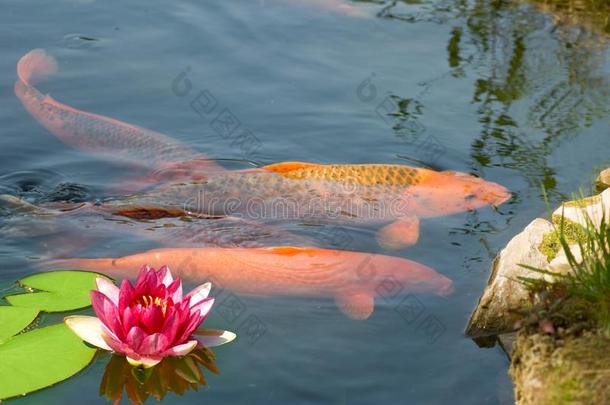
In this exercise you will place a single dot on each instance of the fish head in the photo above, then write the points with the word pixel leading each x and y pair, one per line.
pixel 390 275
pixel 444 193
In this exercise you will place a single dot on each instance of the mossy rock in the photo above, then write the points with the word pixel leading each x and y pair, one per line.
pixel 583 202
pixel 551 245
pixel 548 370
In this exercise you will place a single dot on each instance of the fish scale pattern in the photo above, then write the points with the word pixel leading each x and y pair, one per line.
pixel 366 175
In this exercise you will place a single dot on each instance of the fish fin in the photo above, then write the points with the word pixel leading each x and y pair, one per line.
pixel 36 65
pixel 284 167
pixel 399 234
pixel 356 304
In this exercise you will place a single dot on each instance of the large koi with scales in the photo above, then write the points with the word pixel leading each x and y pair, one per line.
pixel 187 183
pixel 358 194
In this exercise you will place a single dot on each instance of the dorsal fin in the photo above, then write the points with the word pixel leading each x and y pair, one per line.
pixel 284 167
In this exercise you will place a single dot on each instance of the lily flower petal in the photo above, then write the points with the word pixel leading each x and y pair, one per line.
pixel 153 344
pixel 108 288
pixel 166 276
pixel 213 337
pixel 107 312
pixel 183 349
pixel 199 294
pixel 203 307
pixel 145 362
pixel 175 290
pixel 88 328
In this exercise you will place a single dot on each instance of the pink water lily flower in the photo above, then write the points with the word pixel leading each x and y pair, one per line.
pixel 149 321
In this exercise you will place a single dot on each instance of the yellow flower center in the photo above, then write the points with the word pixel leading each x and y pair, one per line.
pixel 148 300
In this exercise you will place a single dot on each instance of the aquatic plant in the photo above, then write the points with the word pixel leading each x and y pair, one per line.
pixel 34 357
pixel 149 321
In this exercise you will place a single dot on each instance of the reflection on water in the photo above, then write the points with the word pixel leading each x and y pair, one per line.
pixel 173 375
pixel 558 80
pixel 493 88
pixel 591 15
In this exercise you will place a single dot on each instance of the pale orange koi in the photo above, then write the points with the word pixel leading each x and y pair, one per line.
pixel 95 133
pixel 354 279
pixel 337 6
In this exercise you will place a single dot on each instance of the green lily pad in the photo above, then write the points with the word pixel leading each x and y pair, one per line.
pixel 14 319
pixel 38 359
pixel 60 290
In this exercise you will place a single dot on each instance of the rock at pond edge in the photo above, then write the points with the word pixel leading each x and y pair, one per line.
pixel 504 292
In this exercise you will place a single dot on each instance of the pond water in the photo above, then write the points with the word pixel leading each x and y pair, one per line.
pixel 496 89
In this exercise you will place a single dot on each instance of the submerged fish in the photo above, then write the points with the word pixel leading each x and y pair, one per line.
pixel 186 183
pixel 352 278
pixel 82 224
pixel 340 6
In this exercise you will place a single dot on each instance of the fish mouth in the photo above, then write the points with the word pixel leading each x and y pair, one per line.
pixel 501 198
pixel 498 196
pixel 445 288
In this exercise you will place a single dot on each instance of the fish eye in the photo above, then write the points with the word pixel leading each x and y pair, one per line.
pixel 470 197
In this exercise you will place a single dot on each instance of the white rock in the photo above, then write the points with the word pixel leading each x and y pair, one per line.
pixel 560 263
pixel 504 292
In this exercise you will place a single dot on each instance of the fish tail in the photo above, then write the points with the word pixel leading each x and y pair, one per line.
pixel 35 66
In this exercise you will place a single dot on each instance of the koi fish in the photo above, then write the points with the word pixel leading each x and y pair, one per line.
pixel 334 6
pixel 95 133
pixel 352 278
pixel 370 193
pixel 65 221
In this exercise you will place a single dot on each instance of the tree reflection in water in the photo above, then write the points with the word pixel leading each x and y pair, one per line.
pixel 548 63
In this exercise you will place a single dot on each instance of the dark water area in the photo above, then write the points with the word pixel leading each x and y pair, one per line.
pixel 496 89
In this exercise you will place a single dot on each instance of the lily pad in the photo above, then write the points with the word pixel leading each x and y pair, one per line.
pixel 14 320
pixel 59 291
pixel 38 359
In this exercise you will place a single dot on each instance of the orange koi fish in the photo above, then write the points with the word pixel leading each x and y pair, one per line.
pixel 370 193
pixel 352 278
